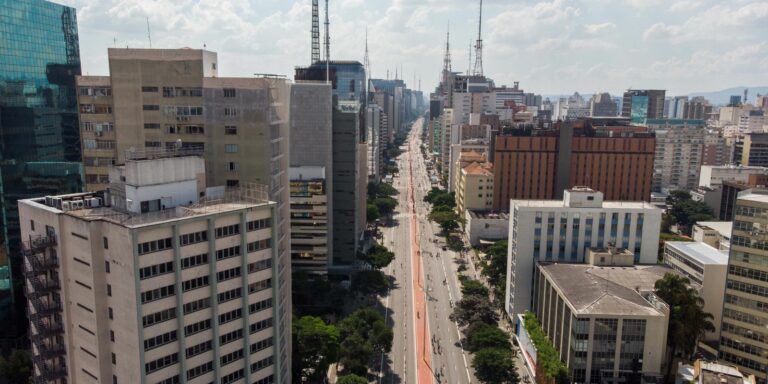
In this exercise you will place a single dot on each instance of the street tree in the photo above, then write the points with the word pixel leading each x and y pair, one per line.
pixel 372 212
pixel 362 333
pixel 495 366
pixel 16 367
pixel 687 319
pixel 474 308
pixel 481 336
pixel 495 268
pixel 370 282
pixel 378 257
pixel 352 379
pixel 473 287
pixel 315 347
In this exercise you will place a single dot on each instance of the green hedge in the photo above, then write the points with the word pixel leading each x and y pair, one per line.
pixel 547 357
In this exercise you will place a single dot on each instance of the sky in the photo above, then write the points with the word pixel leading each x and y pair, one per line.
pixel 549 46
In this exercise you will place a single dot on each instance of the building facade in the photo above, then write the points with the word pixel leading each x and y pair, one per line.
pixel 563 231
pixel 604 321
pixel 474 188
pixel 136 285
pixel 38 123
pixel 706 268
pixel 540 165
pixel 679 153
pixel 172 99
pixel 311 237
pixel 601 104
pixel 639 105
pixel 744 339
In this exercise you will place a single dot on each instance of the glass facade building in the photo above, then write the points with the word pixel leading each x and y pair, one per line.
pixel 39 133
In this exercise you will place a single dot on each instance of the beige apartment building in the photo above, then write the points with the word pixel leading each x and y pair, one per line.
pixel 474 187
pixel 160 99
pixel 744 334
pixel 135 284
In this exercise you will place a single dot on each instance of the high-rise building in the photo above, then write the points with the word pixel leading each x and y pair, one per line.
pixel 698 108
pixel 602 105
pixel 159 99
pixel 744 339
pixel 564 230
pixel 751 150
pixel 347 78
pixel 716 152
pixel 38 123
pixel 149 282
pixel 643 104
pixel 679 151
pixel 540 164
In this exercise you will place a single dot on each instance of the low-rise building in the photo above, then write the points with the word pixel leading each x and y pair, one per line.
pixel 715 233
pixel 563 231
pixel 485 227
pixel 707 372
pixel 713 176
pixel 706 268
pixel 604 321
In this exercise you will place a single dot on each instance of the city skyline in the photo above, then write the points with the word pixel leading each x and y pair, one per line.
pixel 557 47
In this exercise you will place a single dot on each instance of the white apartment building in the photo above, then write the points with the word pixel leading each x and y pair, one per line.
pixel 715 233
pixel 706 267
pixel 713 175
pixel 562 231
pixel 147 282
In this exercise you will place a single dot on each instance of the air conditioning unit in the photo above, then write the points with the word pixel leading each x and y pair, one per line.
pixel 66 206
pixel 78 204
pixel 95 202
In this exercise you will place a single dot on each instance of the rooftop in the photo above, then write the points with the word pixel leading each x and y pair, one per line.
pixel 592 290
pixel 753 196
pixel 714 373
pixel 561 204
pixel 475 168
pixel 703 253
pixel 722 227
pixel 84 206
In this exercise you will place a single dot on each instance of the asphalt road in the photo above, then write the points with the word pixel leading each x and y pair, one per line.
pixel 448 362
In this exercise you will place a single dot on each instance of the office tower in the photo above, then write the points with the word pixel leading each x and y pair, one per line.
pixel 348 78
pixel 643 104
pixel 673 107
pixel 540 164
pixel 347 191
pixel 698 108
pixel 173 99
pixel 735 100
pixel 679 151
pixel 603 318
pixel 149 282
pixel 601 104
pixel 715 149
pixel 38 124
pixel 751 150
pixel 744 339
pixel 564 230
pixel 311 239
pixel 312 181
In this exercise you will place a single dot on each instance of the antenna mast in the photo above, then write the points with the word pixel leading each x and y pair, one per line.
pixel 366 65
pixel 327 46
pixel 315 32
pixel 149 34
pixel 447 58
pixel 478 70
pixel 469 60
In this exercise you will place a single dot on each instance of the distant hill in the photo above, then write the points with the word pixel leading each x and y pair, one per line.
pixel 724 96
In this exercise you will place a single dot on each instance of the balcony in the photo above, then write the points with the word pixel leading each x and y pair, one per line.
pixel 37 244
pixel 49 370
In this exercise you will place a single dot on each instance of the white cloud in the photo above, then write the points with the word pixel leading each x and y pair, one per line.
pixel 595 29
pixel 720 22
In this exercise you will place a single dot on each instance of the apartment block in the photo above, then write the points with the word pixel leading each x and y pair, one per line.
pixel 564 230
pixel 173 99
pixel 148 282
pixel 474 188
pixel 311 238
pixel 604 321
pixel 540 164
pixel 743 338
pixel 679 153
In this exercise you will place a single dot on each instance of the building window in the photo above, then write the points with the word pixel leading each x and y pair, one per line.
pixel 106 243
pixel 232 166
pixel 32 225
pixel 230 112
pixel 230 130
pixel 149 89
pixel 233 183
pixel 229 92
pixel 230 148
pixel 152 107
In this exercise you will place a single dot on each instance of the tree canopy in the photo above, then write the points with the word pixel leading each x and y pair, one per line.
pixel 687 319
pixel 378 256
pixel 685 212
pixel 495 268
pixel 362 333
pixel 370 282
pixel 352 379
pixel 481 335
pixel 474 306
pixel 495 366
pixel 315 347
pixel 17 367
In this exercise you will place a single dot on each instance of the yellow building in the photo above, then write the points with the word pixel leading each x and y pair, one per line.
pixel 474 187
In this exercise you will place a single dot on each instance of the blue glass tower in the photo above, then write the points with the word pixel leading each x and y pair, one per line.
pixel 39 135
